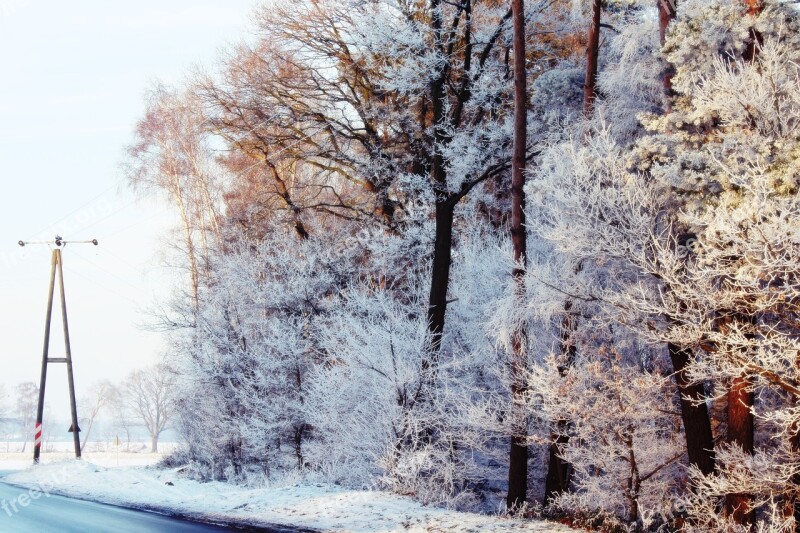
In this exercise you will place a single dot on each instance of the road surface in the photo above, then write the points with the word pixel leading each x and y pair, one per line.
pixel 20 513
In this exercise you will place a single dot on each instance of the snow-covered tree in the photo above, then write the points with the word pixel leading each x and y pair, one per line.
pixel 343 185
pixel 730 153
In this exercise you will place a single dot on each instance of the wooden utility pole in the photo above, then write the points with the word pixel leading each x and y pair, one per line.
pixel 56 267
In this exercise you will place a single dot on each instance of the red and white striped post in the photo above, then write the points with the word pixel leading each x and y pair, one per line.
pixel 37 437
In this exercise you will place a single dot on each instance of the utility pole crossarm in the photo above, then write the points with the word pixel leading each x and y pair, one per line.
pixel 58 242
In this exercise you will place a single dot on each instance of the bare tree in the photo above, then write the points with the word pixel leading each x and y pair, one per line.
pixel 100 395
pixel 27 400
pixel 123 420
pixel 170 154
pixel 148 394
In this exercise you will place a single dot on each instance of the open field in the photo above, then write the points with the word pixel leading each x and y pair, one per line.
pixel 102 454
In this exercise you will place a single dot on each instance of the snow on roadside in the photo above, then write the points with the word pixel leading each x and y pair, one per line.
pixel 20 461
pixel 309 506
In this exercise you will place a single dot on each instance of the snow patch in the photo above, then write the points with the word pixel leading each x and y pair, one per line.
pixel 315 506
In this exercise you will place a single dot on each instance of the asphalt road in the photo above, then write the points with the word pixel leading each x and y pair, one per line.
pixel 21 513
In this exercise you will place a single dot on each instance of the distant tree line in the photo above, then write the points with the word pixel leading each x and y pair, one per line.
pixel 143 400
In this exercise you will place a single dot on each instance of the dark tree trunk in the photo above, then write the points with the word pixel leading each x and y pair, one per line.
pixel 694 413
pixel 740 418
pixel 592 55
pixel 517 473
pixel 518 455
pixel 741 429
pixel 437 302
pixel 518 236
pixel 559 471
pixel 442 125
pixel 298 446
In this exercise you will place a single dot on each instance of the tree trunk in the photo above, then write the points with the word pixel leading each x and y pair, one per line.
pixel 695 417
pixel 741 397
pixel 558 470
pixel 694 412
pixel 437 302
pixel 153 443
pixel 592 55
pixel 741 423
pixel 517 473
pixel 741 428
pixel 299 432
pixel 518 455
pixel 86 435
pixel 634 482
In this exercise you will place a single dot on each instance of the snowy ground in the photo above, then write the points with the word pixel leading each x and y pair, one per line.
pixel 20 461
pixel 310 506
pixel 135 454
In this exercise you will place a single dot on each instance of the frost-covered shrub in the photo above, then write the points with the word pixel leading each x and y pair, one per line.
pixel 244 365
pixel 368 381
pixel 620 439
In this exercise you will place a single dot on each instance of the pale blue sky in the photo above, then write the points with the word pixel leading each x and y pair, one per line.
pixel 72 78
